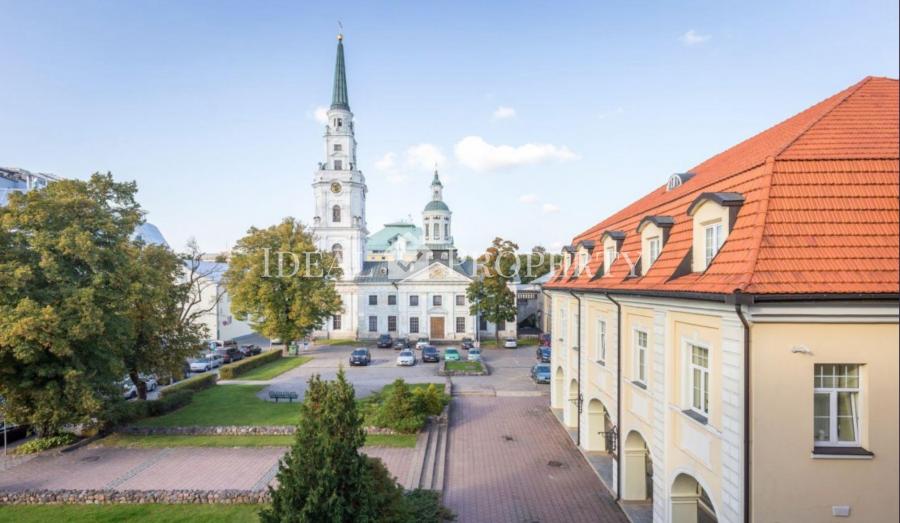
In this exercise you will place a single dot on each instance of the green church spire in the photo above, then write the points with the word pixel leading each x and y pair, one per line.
pixel 339 98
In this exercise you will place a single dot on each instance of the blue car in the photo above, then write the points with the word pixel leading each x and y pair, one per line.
pixel 543 354
pixel 540 373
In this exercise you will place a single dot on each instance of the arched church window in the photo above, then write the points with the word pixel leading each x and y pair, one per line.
pixel 436 231
pixel 338 252
pixel 446 230
pixel 336 214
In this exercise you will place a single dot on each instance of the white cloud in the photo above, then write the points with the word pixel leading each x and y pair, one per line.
pixel 320 114
pixel 549 208
pixel 692 38
pixel 476 154
pixel 528 198
pixel 387 162
pixel 614 112
pixel 397 178
pixel 425 156
pixel 502 113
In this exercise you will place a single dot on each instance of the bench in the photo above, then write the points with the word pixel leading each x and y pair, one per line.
pixel 282 395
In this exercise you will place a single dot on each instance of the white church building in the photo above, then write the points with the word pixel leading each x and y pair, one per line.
pixel 402 280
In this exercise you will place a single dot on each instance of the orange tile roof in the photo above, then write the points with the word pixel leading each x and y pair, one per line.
pixel 820 216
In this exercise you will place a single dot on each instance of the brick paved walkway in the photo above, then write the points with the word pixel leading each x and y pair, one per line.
pixel 492 478
pixel 166 469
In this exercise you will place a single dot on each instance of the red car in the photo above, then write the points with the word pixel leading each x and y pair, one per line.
pixel 545 340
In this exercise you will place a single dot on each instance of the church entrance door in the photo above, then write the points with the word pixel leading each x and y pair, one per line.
pixel 437 327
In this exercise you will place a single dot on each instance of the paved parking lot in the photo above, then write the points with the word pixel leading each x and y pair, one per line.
pixel 510 371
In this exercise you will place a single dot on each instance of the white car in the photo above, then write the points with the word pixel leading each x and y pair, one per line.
pixel 201 364
pixel 150 381
pixel 406 358
pixel 216 359
pixel 510 343
pixel 474 354
pixel 421 343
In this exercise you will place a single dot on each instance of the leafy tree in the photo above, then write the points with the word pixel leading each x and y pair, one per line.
pixel 324 477
pixel 281 283
pixel 64 264
pixel 399 412
pixel 489 294
pixel 536 264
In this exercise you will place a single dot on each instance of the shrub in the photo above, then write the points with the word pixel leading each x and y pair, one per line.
pixel 196 384
pixel 233 370
pixel 171 401
pixel 399 411
pixel 424 506
pixel 430 400
pixel 46 442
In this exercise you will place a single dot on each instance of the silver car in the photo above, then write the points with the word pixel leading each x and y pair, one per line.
pixel 406 358
pixel 474 354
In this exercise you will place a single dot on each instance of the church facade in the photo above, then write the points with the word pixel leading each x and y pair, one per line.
pixel 403 280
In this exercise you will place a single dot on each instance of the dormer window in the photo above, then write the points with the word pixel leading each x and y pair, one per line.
pixel 654 231
pixel 714 215
pixel 612 245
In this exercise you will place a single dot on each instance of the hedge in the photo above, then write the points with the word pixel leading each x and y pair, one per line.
pixel 195 384
pixel 233 370
pixel 125 412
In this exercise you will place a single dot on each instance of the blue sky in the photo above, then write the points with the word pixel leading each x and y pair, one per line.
pixel 545 116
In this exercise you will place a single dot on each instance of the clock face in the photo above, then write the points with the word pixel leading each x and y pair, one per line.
pixel 335 187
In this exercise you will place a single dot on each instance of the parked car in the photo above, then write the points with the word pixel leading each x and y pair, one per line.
pixel 360 357
pixel 544 340
pixel 474 354
pixel 128 389
pixel 510 343
pixel 384 341
pixel 540 373
pixel 421 343
pixel 150 380
pixel 543 354
pixel 406 358
pixel 451 354
pixel 431 354
pixel 402 343
pixel 201 364
pixel 10 432
pixel 230 355
pixel 467 343
pixel 250 350
pixel 216 359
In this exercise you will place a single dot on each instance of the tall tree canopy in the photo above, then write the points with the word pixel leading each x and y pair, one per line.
pixel 489 294
pixel 64 266
pixel 280 282
pixel 537 263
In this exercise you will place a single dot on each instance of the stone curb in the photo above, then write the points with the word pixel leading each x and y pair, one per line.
pixel 109 496
pixel 229 430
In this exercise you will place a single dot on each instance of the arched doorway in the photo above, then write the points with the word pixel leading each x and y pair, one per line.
pixel 572 407
pixel 637 472
pixel 598 424
pixel 559 401
pixel 690 502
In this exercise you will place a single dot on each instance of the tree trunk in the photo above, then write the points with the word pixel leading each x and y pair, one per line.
pixel 139 384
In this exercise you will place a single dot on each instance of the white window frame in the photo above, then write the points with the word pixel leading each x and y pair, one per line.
pixel 832 412
pixel 638 351
pixel 392 320
pixel 414 325
pixel 601 342
pixel 704 378
pixel 609 257
pixel 370 323
pixel 653 249
pixel 460 324
pixel 713 238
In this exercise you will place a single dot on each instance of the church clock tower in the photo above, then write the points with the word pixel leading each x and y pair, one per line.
pixel 339 186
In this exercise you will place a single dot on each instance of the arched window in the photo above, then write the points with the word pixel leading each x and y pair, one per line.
pixel 446 230
pixel 336 214
pixel 437 231
pixel 338 252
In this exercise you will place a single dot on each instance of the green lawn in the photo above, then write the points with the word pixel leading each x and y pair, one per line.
pixel 228 405
pixel 164 441
pixel 339 342
pixel 149 513
pixel 522 342
pixel 275 368
pixel 464 366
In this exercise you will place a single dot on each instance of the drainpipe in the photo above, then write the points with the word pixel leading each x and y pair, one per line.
pixel 618 396
pixel 740 314
pixel 579 398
